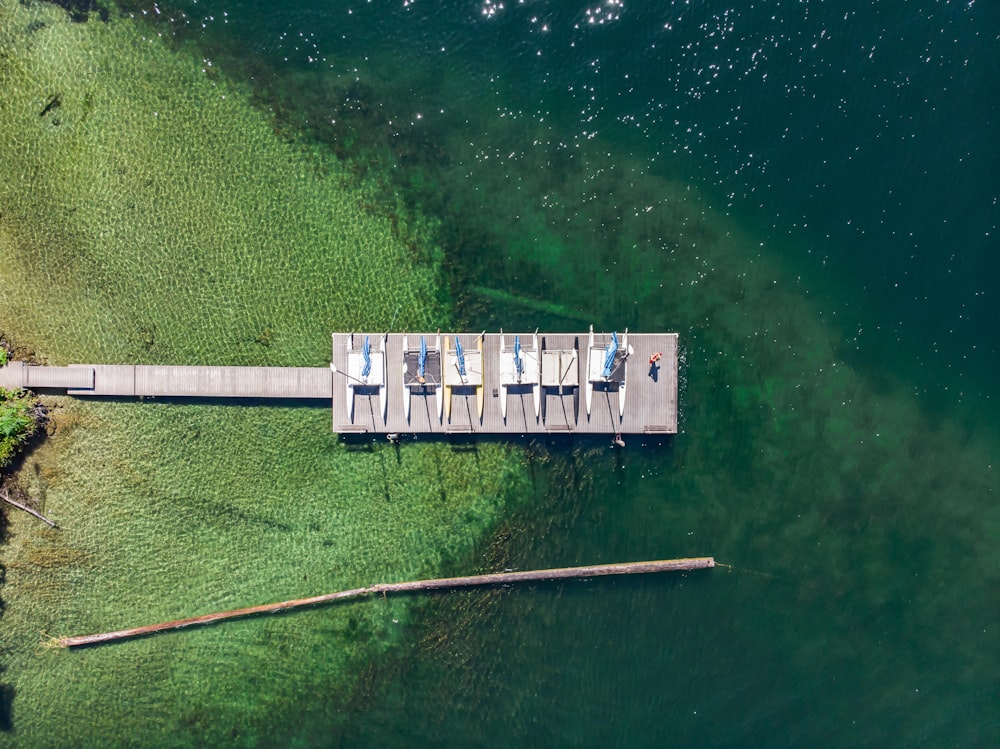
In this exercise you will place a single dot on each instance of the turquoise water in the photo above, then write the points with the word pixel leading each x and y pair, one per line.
pixel 805 194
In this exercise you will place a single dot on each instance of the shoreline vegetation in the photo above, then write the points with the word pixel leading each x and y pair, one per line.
pixel 22 416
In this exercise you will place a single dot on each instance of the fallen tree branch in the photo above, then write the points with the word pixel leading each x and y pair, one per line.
pixel 18 505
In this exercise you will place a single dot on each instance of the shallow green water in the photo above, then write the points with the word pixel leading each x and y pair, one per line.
pixel 279 510
pixel 843 466
pixel 156 216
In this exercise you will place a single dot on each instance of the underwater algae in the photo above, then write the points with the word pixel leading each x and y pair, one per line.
pixel 793 460
pixel 798 456
pixel 865 501
pixel 155 191
pixel 859 518
pixel 153 215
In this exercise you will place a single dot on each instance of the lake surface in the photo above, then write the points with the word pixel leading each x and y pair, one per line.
pixel 805 192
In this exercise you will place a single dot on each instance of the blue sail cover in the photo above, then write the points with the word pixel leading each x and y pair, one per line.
pixel 366 351
pixel 422 361
pixel 609 356
pixel 461 357
pixel 518 364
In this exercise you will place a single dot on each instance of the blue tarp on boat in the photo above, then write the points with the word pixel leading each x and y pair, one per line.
pixel 366 351
pixel 461 358
pixel 609 356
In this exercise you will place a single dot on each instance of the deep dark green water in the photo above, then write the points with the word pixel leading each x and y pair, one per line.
pixel 807 194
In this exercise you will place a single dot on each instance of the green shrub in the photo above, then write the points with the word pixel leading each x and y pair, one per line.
pixel 18 421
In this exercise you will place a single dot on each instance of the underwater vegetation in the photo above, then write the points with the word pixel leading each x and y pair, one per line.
pixel 150 213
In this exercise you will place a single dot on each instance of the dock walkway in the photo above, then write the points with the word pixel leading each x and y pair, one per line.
pixel 562 365
pixel 150 381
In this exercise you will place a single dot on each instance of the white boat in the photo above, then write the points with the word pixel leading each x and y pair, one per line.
pixel 524 369
pixel 597 372
pixel 412 380
pixel 365 369
pixel 559 371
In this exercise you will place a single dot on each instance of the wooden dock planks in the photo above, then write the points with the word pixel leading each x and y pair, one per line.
pixel 650 406
pixel 16 375
pixel 209 382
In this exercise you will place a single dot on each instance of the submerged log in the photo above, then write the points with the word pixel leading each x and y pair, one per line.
pixel 496 578
pixel 18 505
pixel 538 305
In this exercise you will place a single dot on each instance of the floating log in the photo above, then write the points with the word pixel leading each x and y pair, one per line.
pixel 496 578
pixel 18 505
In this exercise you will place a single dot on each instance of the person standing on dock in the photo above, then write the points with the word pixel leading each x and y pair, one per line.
pixel 654 365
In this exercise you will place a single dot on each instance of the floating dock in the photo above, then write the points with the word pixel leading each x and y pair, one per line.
pixel 637 397
pixel 430 383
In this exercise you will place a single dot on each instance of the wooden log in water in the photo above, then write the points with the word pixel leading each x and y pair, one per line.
pixel 496 578
pixel 18 505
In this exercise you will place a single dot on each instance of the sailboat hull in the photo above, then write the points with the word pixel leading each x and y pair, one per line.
pixel 348 385
pixel 383 400
pixel 438 388
pixel 406 390
pixel 590 385
pixel 503 385
pixel 623 386
pixel 621 399
pixel 481 388
pixel 536 386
